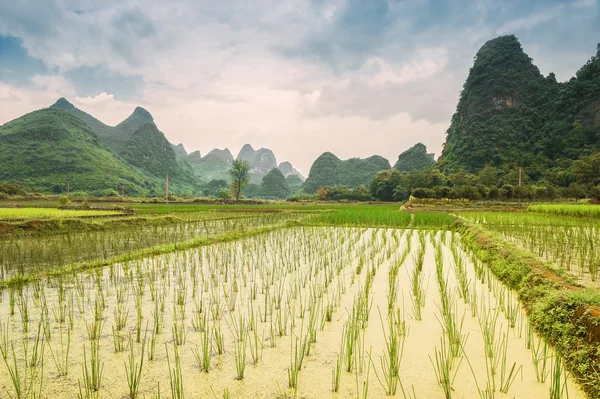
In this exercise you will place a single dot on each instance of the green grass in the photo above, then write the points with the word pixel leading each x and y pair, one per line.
pixel 37 213
pixel 580 210
pixel 380 216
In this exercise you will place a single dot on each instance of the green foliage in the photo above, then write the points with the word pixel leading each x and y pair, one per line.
pixel 415 158
pixel 42 149
pixel 586 170
pixel 214 187
pixel 11 189
pixel 340 193
pixel 329 170
pixel 110 192
pixel 224 193
pixel 387 185
pixel 274 185
pixel 115 137
pixel 63 200
pixel 149 150
pixel 240 176
pixel 509 116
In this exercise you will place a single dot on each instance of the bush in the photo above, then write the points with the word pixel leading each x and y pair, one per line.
pixel 110 192
pixel 64 200
pixel 224 193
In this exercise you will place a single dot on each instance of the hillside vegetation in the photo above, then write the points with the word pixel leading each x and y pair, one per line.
pixel 414 159
pixel 44 149
pixel 510 116
pixel 149 150
pixel 329 170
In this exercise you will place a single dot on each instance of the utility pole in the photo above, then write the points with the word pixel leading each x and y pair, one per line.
pixel 167 189
pixel 122 190
pixel 520 180
pixel 68 187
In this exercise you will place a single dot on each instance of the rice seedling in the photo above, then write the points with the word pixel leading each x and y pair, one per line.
pixel 61 355
pixel 94 329
pixel 118 341
pixel 175 374
pixel 336 373
pixel 91 373
pixel 540 357
pixel 390 361
pixel 133 370
pixel 443 364
pixel 558 381
pixel 4 339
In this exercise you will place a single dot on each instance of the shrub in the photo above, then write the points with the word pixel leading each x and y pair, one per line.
pixel 224 193
pixel 110 192
pixel 64 200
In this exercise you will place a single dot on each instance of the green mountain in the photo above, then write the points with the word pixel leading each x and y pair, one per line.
pixel 510 116
pixel 415 158
pixel 274 185
pixel 214 166
pixel 261 161
pixel 149 150
pixel 193 157
pixel 45 148
pixel 114 137
pixel 329 170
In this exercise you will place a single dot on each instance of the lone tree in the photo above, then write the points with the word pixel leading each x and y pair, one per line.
pixel 240 172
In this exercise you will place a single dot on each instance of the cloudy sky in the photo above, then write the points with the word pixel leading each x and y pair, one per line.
pixel 354 77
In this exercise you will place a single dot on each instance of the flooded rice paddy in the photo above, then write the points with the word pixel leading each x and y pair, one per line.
pixel 312 312
pixel 28 254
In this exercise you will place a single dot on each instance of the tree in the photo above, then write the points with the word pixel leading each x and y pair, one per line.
pixel 386 186
pixel 240 174
pixel 587 169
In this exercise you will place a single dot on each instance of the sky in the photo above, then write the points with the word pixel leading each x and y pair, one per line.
pixel 301 77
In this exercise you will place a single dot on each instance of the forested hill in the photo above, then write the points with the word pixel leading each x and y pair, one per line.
pixel 510 116
pixel 329 170
pixel 115 137
pixel 414 159
pixel 149 150
pixel 44 149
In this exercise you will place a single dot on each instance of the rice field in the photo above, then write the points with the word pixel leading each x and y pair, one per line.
pixel 308 311
pixel 46 213
pixel 579 210
pixel 571 243
pixel 23 255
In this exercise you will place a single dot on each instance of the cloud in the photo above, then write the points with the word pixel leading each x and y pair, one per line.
pixel 55 84
pixel 100 100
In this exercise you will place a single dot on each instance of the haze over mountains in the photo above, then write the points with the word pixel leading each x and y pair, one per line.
pixel 135 156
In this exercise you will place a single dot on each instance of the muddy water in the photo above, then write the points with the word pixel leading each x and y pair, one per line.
pixel 303 269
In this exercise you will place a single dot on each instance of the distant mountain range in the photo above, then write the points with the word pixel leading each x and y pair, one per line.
pixel 44 149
